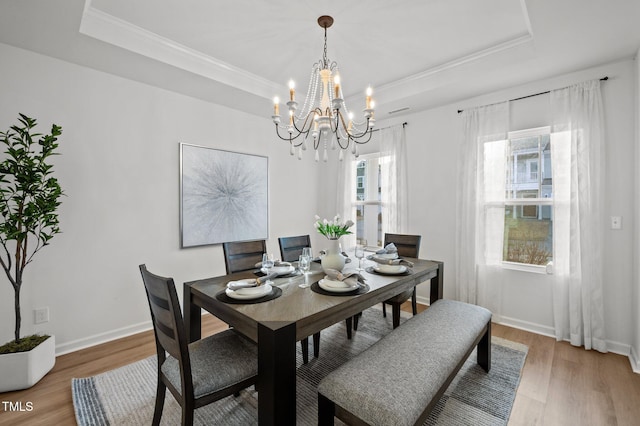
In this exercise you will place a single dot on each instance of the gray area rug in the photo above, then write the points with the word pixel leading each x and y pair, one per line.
pixel 126 396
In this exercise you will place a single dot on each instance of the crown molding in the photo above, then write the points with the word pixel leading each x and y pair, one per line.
pixel 115 31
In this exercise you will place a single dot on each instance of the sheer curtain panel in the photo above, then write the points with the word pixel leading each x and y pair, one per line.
pixel 578 172
pixel 393 163
pixel 480 200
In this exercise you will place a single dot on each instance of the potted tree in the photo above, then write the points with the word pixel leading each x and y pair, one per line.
pixel 29 200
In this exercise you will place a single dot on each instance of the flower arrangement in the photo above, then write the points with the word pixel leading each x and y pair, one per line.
pixel 333 229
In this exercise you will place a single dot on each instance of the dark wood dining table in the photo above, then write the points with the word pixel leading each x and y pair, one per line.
pixel 277 325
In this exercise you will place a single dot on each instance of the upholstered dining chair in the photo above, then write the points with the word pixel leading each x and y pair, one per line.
pixel 408 246
pixel 290 251
pixel 243 255
pixel 201 372
pixel 291 247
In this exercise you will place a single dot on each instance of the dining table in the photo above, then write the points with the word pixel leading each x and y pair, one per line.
pixel 296 313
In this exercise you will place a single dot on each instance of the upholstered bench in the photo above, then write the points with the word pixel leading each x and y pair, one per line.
pixel 424 353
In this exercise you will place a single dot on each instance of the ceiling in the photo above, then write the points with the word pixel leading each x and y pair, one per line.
pixel 416 54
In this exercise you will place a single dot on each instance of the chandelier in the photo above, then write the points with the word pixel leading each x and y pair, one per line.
pixel 324 120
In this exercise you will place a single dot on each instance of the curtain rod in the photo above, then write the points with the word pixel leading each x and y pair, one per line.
pixel 536 94
pixel 382 128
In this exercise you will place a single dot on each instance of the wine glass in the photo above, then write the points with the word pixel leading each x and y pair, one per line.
pixel 359 253
pixel 304 263
pixel 267 263
pixel 306 251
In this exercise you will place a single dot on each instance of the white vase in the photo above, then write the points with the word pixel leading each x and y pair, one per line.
pixel 333 259
pixel 21 370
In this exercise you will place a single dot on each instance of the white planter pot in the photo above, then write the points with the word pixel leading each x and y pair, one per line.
pixel 22 370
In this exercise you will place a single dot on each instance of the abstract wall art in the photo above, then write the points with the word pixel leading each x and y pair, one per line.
pixel 223 196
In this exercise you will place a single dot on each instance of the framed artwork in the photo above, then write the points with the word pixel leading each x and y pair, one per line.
pixel 223 196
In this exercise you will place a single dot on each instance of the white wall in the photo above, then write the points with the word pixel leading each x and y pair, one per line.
pixel 119 167
pixel 433 144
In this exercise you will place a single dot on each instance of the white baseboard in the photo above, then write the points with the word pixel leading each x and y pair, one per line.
pixel 634 358
pixel 76 345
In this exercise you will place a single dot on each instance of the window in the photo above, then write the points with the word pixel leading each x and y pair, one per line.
pixel 528 220
pixel 368 200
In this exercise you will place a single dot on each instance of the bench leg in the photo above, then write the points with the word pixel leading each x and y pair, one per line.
pixel 326 411
pixel 484 349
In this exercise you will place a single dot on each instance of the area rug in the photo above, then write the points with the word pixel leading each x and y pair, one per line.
pixel 126 396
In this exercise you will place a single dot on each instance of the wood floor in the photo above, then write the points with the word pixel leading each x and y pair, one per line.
pixel 560 385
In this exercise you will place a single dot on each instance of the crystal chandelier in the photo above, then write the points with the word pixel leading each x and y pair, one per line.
pixel 324 117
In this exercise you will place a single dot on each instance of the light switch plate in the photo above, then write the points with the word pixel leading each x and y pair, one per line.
pixel 616 222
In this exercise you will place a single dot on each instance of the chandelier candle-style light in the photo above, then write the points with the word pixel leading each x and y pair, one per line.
pixel 324 115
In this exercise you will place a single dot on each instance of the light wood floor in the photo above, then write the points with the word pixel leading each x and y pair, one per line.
pixel 560 385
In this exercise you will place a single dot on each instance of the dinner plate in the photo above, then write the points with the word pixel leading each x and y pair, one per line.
pixel 280 270
pixel 335 286
pixel 249 292
pixel 390 269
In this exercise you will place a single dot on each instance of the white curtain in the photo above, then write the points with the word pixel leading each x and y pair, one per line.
pixel 480 212
pixel 393 163
pixel 578 172
pixel 346 193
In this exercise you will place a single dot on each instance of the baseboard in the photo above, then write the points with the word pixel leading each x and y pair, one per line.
pixel 634 359
pixel 76 345
pixel 525 325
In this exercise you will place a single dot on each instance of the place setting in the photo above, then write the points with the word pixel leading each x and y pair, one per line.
pixel 336 283
pixel 387 262
pixel 278 267
pixel 255 290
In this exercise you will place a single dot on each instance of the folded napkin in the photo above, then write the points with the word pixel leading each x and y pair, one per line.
pixel 386 261
pixel 388 249
pixel 276 263
pixel 352 279
pixel 251 282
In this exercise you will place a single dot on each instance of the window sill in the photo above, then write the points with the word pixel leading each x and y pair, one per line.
pixel 536 269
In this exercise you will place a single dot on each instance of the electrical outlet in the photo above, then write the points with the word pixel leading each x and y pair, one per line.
pixel 40 315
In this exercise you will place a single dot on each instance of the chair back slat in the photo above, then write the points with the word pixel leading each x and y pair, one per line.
pixel 407 245
pixel 243 255
pixel 291 247
pixel 165 313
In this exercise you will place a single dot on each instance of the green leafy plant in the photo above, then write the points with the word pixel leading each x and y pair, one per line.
pixel 333 229
pixel 29 200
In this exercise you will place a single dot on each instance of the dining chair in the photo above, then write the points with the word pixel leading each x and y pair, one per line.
pixel 290 251
pixel 198 373
pixel 291 247
pixel 408 246
pixel 243 255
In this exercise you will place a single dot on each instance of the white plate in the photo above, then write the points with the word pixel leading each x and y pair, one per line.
pixel 335 286
pixel 390 269
pixel 280 270
pixel 250 292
